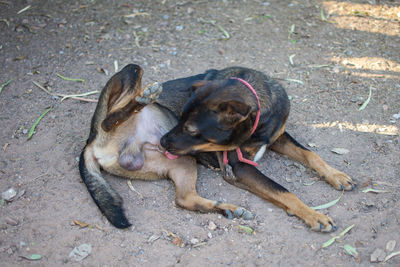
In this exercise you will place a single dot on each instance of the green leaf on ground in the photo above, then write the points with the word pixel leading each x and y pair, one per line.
pixel 333 239
pixel 32 129
pixel 70 79
pixel 225 32
pixel 329 204
pixel 4 85
pixel 375 190
pixel 364 105
pixel 350 250
pixel 246 229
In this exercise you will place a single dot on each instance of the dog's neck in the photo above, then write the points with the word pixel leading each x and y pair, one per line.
pixel 238 151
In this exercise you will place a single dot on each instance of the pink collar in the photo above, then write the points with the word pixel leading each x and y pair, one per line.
pixel 238 151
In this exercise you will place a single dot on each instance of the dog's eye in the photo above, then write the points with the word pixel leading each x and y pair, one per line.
pixel 191 129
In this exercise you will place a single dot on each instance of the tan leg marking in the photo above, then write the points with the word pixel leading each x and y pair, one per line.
pixel 183 172
pixel 251 179
pixel 337 179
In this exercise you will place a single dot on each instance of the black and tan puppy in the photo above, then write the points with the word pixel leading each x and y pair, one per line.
pixel 240 112
pixel 125 140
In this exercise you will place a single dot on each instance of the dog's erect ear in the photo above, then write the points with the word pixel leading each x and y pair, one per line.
pixel 233 112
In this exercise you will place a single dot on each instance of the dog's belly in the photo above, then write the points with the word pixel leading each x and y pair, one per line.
pixel 139 155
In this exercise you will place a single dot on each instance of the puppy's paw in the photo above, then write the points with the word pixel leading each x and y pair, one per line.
pixel 149 94
pixel 243 213
pixel 320 222
pixel 340 180
pixel 238 213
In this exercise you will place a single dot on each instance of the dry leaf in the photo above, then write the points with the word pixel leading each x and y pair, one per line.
pixel 340 151
pixel 81 224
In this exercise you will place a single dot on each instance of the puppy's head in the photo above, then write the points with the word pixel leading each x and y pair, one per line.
pixel 217 117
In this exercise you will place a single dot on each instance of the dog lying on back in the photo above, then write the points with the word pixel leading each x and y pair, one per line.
pixel 229 117
pixel 124 140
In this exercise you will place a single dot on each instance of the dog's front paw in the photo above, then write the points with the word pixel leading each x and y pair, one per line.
pixel 320 222
pixel 239 213
pixel 149 94
pixel 340 180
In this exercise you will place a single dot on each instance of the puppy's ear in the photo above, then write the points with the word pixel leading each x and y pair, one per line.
pixel 123 85
pixel 233 112
pixel 197 84
pixel 121 90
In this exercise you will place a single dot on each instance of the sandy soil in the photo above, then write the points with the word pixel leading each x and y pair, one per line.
pixel 328 62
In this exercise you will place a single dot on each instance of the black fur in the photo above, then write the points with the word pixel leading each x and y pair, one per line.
pixel 108 201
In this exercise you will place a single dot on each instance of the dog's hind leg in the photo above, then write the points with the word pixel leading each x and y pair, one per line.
pixel 183 172
pixel 286 145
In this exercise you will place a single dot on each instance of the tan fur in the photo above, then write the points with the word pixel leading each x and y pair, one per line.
pixel 337 179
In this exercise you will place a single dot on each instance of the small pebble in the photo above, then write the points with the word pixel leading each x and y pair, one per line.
pixel 209 235
pixel 396 116
pixel 24 131
pixel 212 226
pixel 378 255
pixel 22 244
pixel 390 245
pixel 194 241
pixel 12 221
pixel 9 194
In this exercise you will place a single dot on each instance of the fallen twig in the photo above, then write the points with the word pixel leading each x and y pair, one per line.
pixel 24 9
pixel 76 96
pixel 364 105
pixel 137 14
pixel 134 190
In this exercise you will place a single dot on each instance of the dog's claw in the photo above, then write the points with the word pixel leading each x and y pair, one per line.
pixel 340 180
pixel 238 212
pixel 289 214
pixel 243 213
pixel 228 214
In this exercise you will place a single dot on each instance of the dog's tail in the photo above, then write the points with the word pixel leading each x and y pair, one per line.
pixel 106 198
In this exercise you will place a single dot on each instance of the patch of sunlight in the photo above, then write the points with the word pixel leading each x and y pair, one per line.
pixel 360 127
pixel 368 63
pixel 375 76
pixel 382 19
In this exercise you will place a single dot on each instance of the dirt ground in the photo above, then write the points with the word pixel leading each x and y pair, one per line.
pixel 328 54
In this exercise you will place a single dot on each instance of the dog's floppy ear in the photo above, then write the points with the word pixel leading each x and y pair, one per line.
pixel 233 112
pixel 123 85
pixel 121 89
pixel 197 84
